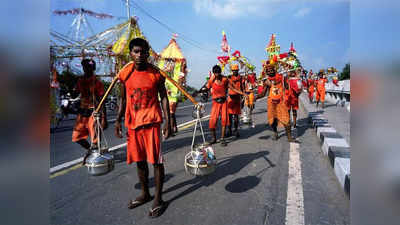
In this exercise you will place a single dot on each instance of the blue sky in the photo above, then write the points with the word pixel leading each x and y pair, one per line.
pixel 319 29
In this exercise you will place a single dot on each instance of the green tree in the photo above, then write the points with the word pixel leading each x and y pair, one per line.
pixel 345 74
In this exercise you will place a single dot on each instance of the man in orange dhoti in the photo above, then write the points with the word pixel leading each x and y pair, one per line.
pixel 292 94
pixel 219 85
pixel 320 95
pixel 310 84
pixel 277 110
pixel 234 100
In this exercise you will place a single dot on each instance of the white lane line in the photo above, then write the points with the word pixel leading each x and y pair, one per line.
pixel 192 121
pixel 79 160
pixel 183 107
pixel 65 165
pixel 295 198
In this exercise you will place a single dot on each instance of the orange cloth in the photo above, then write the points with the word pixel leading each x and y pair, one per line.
pixel 89 88
pixel 218 90
pixel 84 126
pixel 234 98
pixel 236 82
pixel 276 107
pixel 249 89
pixel 292 94
pixel 142 104
pixel 250 102
pixel 321 90
pixel 310 89
pixel 218 109
pixel 144 144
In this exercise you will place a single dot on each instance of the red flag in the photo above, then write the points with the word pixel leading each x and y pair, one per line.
pixel 224 45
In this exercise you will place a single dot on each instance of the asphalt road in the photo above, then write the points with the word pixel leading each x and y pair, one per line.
pixel 257 181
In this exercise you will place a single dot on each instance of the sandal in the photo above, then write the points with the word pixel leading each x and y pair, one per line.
pixel 136 203
pixel 158 210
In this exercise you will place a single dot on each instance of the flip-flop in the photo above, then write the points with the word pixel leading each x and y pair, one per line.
pixel 136 203
pixel 158 211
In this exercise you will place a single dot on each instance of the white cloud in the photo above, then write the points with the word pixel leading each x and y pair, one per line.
pixel 302 12
pixel 229 9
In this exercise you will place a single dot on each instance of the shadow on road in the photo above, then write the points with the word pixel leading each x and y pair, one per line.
pixel 226 167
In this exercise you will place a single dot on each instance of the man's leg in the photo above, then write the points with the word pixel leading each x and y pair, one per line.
pixel 223 128
pixel 230 125
pixel 236 131
pixel 159 175
pixel 274 126
pixel 294 118
pixel 84 143
pixel 213 136
pixel 143 174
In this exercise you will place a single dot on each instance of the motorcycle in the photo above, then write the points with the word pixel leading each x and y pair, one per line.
pixel 203 95
pixel 68 106
pixel 111 103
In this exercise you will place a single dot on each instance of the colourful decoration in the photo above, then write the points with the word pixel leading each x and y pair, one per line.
pixel 173 62
pixel 77 11
pixel 272 48
pixel 224 45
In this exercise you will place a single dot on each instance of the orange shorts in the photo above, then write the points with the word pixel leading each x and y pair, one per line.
pixel 218 109
pixel 84 126
pixel 234 105
pixel 293 103
pixel 144 144
pixel 320 95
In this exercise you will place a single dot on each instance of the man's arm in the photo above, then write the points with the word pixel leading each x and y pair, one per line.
pixel 121 111
pixel 165 108
pixel 230 86
pixel 265 89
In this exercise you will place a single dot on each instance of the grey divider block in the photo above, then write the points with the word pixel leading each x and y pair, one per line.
pixel 338 152
pixel 347 184
pixel 329 142
pixel 321 124
pixel 324 135
pixel 325 129
pixel 342 168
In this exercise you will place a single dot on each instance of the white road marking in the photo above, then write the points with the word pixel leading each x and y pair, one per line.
pixel 295 198
pixel 183 107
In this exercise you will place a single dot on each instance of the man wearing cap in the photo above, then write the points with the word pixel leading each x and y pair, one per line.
pixel 234 100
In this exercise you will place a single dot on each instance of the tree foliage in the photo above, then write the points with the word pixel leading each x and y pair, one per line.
pixel 345 74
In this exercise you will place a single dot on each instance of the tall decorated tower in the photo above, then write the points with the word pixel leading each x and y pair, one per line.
pixel 272 48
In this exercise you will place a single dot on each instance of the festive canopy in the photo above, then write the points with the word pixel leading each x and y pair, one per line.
pixel 173 62
pixel 109 48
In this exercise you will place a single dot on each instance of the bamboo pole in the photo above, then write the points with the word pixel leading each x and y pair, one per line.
pixel 106 94
pixel 164 74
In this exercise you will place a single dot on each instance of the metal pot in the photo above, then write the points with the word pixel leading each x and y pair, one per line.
pixel 200 161
pixel 245 117
pixel 99 163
